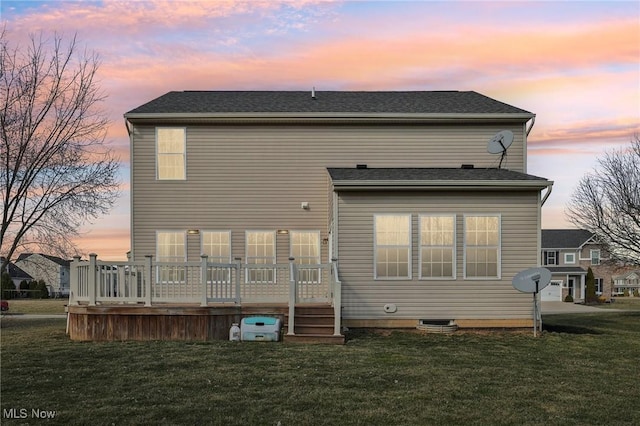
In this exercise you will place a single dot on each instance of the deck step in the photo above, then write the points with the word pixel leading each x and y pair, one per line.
pixel 314 338
pixel 313 324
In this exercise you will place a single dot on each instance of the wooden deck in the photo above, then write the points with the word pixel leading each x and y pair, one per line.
pixel 112 322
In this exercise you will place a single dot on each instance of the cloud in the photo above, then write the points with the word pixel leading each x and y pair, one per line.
pixel 113 244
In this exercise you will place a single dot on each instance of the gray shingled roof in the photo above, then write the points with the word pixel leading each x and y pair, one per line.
pixel 428 174
pixel 55 259
pixel 417 102
pixel 564 238
pixel 16 272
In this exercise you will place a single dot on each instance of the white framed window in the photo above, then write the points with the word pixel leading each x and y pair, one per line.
pixel 595 257
pixel 171 153
pixel 569 258
pixel 392 246
pixel 599 286
pixel 171 247
pixel 482 245
pixel 550 257
pixel 437 246
pixel 217 246
pixel 260 250
pixel 305 249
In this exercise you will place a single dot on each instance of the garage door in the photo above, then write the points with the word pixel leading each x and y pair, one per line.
pixel 552 292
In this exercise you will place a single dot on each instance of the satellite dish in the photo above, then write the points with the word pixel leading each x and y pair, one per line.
pixel 532 280
pixel 499 144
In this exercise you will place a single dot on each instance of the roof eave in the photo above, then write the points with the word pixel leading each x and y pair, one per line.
pixel 440 184
pixel 334 116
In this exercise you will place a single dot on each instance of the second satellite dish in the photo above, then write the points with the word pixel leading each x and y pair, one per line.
pixel 532 280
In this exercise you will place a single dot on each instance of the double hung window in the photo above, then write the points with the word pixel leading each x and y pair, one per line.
pixel 482 246
pixel 171 248
pixel 392 241
pixel 305 249
pixel 260 250
pixel 170 153
pixel 217 246
pixel 437 246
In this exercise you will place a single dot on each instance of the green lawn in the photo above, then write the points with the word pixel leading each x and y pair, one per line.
pixel 626 303
pixel 582 371
pixel 37 306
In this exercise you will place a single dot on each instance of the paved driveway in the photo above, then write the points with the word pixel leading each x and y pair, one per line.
pixel 550 308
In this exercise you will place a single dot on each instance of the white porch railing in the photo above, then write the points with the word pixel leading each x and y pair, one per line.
pixel 147 282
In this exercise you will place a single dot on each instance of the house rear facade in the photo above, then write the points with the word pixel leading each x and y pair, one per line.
pixel 396 189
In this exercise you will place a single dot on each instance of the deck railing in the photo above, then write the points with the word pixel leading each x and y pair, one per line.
pixel 149 282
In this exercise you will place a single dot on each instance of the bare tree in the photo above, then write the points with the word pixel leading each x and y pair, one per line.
pixel 607 202
pixel 57 172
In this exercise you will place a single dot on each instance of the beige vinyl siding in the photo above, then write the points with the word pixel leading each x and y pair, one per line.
pixel 256 176
pixel 364 297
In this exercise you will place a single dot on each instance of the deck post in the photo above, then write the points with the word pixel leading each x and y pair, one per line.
pixel 203 278
pixel 337 298
pixel 238 278
pixel 74 278
pixel 92 278
pixel 292 297
pixel 148 277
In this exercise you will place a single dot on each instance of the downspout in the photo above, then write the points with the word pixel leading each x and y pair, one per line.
pixel 130 254
pixel 533 121
pixel 546 195
pixel 126 124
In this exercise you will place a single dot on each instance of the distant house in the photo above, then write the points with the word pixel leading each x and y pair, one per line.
pixel 385 207
pixel 53 270
pixel 568 254
pixel 627 283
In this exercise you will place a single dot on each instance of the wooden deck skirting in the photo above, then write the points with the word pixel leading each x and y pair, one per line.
pixel 161 322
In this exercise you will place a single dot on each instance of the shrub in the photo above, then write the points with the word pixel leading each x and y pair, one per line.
pixel 24 287
pixel 7 286
pixel 602 299
pixel 42 292
pixel 636 293
pixel 568 298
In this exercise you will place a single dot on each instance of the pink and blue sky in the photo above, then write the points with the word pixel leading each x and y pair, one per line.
pixel 575 64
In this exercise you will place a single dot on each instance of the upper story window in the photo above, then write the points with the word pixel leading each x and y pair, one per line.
pixel 595 257
pixel 550 257
pixel 392 246
pixel 482 246
pixel 437 246
pixel 569 258
pixel 171 248
pixel 217 245
pixel 260 250
pixel 305 249
pixel 170 153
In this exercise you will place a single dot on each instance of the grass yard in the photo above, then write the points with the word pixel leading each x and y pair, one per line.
pixel 37 306
pixel 626 303
pixel 584 370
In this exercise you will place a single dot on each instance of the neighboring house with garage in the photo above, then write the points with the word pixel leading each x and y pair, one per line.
pixel 568 254
pixel 385 207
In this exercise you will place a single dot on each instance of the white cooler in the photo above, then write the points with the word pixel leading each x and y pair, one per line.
pixel 264 329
